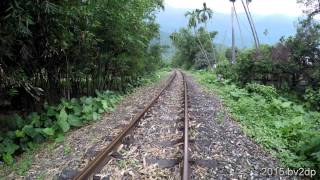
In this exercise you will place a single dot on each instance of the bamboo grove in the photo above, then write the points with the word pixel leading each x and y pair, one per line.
pixel 57 48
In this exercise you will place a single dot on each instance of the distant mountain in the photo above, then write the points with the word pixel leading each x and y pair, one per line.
pixel 275 26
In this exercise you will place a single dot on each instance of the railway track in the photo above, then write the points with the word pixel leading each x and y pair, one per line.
pixel 102 158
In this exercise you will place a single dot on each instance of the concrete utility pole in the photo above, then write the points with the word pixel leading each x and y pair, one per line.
pixel 233 61
pixel 252 26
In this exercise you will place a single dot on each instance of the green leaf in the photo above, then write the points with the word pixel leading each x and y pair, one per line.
pixel 60 138
pixel 29 130
pixel 62 121
pixel 48 131
pixel 316 155
pixel 20 133
pixel 298 120
pixel 10 148
pixel 51 111
pixel 279 124
pixel 95 116
pixel 299 109
pixel 35 119
pixel 74 120
pixel 7 158
pixel 32 145
pixel 104 104
pixel 87 109
pixel 286 104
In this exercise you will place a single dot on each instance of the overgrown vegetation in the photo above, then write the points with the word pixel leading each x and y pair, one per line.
pixel 195 49
pixel 287 129
pixel 188 53
pixel 25 134
pixel 52 123
pixel 292 65
pixel 68 62
pixel 56 48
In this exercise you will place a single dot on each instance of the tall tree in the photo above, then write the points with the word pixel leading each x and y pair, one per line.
pixel 312 7
pixel 193 22
pixel 233 59
pixel 204 15
pixel 252 26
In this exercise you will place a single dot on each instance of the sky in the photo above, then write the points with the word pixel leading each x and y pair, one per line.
pixel 259 7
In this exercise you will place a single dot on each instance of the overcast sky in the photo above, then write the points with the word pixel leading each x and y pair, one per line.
pixel 261 7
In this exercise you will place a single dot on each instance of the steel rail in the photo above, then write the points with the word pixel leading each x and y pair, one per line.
pixel 186 167
pixel 103 156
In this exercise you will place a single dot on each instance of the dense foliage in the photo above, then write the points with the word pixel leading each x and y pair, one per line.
pixel 292 65
pixel 195 49
pixel 56 48
pixel 280 125
pixel 52 123
pixel 188 49
pixel 21 134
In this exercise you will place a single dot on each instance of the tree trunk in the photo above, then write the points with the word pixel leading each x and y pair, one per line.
pixel 238 22
pixel 202 49
pixel 233 59
pixel 213 50
pixel 254 26
pixel 251 26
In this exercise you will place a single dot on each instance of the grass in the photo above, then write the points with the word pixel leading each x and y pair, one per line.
pixel 285 128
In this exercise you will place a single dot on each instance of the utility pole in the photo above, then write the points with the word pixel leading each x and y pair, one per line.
pixel 255 37
pixel 233 61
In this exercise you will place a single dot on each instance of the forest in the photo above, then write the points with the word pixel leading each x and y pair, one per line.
pixel 65 63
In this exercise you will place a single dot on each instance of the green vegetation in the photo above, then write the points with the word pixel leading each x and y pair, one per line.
pixel 53 122
pixel 188 52
pixel 291 66
pixel 56 48
pixel 285 128
pixel 195 49
pixel 64 63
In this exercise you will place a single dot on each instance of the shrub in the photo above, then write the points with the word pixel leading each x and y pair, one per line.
pixel 312 98
pixel 267 92
pixel 53 122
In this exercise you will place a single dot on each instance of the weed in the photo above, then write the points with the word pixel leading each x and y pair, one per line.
pixel 66 149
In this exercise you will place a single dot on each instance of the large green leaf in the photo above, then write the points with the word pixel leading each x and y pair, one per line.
pixel 8 159
pixel 95 116
pixel 59 138
pixel 20 134
pixel 10 148
pixel 29 130
pixel 104 104
pixel 74 120
pixel 48 131
pixel 35 119
pixel 62 121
